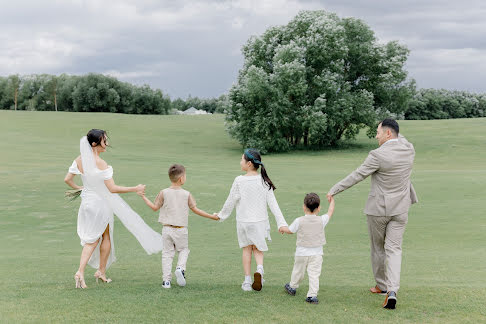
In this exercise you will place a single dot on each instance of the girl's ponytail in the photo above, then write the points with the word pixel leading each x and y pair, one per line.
pixel 266 179
pixel 254 157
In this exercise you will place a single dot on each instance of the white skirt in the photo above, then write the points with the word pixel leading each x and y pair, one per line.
pixel 94 216
pixel 254 233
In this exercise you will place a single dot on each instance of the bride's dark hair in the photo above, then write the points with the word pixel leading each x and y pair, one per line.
pixel 95 136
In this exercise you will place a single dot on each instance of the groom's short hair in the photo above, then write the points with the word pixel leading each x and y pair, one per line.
pixel 176 171
pixel 392 125
pixel 312 201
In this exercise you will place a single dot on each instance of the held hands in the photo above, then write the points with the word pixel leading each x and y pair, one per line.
pixel 329 197
pixel 284 229
pixel 215 216
pixel 140 190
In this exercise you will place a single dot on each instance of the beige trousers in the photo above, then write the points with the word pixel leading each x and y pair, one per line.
pixel 174 239
pixel 386 236
pixel 313 264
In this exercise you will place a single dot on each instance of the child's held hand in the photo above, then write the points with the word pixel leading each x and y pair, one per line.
pixel 284 229
pixel 215 216
pixel 141 193
pixel 140 189
pixel 329 197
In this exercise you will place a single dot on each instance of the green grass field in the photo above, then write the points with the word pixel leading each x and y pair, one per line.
pixel 444 260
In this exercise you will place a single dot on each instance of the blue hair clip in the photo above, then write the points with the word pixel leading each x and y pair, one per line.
pixel 248 154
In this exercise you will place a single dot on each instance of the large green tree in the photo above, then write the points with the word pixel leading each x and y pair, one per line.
pixel 314 81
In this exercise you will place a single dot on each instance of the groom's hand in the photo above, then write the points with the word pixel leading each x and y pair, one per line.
pixel 329 197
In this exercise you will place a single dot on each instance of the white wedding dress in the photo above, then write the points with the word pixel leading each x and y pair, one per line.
pixel 98 205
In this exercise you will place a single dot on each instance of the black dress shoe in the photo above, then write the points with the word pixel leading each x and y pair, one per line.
pixel 312 300
pixel 290 290
pixel 390 300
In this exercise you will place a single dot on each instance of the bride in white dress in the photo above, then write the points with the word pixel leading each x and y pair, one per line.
pixel 99 202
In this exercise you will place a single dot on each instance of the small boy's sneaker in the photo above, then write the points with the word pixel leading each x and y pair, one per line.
pixel 246 286
pixel 291 291
pixel 181 277
pixel 312 300
pixel 165 284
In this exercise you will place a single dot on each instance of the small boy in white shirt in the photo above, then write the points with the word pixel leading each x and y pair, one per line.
pixel 310 239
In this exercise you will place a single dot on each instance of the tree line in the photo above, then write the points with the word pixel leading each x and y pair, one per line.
pixel 93 93
pixel 64 92
pixel 445 104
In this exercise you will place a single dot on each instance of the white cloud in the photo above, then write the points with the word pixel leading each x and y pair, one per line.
pixel 129 75
pixel 192 46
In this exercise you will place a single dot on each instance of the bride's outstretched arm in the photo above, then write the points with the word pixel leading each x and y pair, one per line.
pixel 110 184
pixel 69 180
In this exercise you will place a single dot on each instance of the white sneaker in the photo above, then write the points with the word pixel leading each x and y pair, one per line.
pixel 166 284
pixel 246 286
pixel 181 278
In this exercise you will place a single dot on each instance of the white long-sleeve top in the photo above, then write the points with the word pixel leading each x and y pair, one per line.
pixel 251 197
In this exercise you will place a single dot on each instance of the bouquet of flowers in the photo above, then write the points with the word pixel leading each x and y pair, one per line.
pixel 72 194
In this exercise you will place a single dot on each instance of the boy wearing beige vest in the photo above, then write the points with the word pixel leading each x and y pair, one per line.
pixel 174 204
pixel 310 239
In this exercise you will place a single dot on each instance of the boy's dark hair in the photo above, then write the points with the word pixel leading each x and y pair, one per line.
pixel 312 201
pixel 392 125
pixel 176 171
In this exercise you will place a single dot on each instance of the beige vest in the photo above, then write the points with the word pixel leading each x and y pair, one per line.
pixel 310 232
pixel 175 210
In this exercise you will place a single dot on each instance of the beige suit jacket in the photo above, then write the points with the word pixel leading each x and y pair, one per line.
pixel 390 167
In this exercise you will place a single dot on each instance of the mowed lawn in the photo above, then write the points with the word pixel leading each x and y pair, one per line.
pixel 444 259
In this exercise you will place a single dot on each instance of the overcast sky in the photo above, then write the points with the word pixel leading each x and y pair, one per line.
pixel 193 47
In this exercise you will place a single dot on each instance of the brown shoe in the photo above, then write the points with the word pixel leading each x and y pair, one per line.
pixel 257 281
pixel 376 290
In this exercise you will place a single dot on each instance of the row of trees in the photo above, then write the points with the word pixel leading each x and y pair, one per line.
pixel 92 93
pixel 444 104
pixel 212 105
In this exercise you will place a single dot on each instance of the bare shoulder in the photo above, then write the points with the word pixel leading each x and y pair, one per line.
pixel 101 164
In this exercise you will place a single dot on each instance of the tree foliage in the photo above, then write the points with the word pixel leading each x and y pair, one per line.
pixel 314 81
pixel 212 105
pixel 94 93
pixel 444 104
pixel 91 92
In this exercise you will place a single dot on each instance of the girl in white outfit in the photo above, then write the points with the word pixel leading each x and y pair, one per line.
pixel 252 193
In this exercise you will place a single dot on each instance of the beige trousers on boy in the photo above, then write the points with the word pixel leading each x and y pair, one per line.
pixel 174 239
pixel 386 236
pixel 313 264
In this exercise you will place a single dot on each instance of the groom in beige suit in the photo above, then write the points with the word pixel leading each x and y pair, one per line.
pixel 390 197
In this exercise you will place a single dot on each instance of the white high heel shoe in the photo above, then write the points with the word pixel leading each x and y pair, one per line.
pixel 101 276
pixel 79 279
